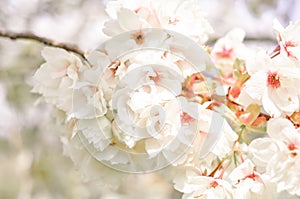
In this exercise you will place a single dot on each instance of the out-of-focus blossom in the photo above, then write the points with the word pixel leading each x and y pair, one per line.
pixel 10 124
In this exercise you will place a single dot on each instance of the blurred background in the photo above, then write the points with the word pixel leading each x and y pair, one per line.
pixel 32 164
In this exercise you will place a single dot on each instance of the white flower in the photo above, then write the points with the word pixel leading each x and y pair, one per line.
pixel 181 16
pixel 282 161
pixel 178 133
pixel 96 136
pixel 210 145
pixel 137 99
pixel 227 49
pixel 160 76
pixel 197 186
pixel 87 102
pixel 273 83
pixel 102 73
pixel 204 135
pixel 288 39
pixel 249 183
pixel 138 92
pixel 90 168
pixel 97 131
pixel 262 150
pixel 56 78
pixel 165 59
pixel 193 137
pixel 69 84
pixel 184 17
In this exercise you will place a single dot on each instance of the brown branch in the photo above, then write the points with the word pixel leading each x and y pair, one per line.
pixel 248 39
pixel 43 40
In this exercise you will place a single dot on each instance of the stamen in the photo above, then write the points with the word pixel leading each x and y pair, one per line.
pixel 186 118
pixel 214 184
pixel 225 53
pixel 273 80
pixel 138 37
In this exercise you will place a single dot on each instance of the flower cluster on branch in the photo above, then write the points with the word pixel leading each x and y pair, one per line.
pixel 224 117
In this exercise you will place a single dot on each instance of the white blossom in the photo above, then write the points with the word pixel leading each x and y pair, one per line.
pixel 181 16
pixel 136 110
pixel 251 184
pixel 197 186
pixel 227 49
pixel 272 84
pixel 56 78
pixel 281 154
pixel 90 168
pixel 69 84
pixel 288 39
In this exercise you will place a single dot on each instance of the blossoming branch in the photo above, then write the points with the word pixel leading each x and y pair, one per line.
pixel 156 96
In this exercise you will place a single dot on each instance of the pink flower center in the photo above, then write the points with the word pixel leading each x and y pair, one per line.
pixel 292 147
pixel 286 45
pixel 137 10
pixel 214 184
pixel 186 118
pixel 289 44
pixel 225 53
pixel 273 79
pixel 155 77
pixel 138 37
pixel 173 21
pixel 251 176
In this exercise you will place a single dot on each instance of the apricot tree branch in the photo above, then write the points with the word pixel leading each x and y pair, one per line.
pixel 43 40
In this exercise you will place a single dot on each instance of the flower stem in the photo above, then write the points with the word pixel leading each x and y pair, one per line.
pixel 232 152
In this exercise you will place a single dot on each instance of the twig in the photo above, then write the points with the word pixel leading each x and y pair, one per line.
pixel 243 128
pixel 43 40
pixel 248 39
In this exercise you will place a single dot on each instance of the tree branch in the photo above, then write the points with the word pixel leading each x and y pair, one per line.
pixel 248 39
pixel 43 40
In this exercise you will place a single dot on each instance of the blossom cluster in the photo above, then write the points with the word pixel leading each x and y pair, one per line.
pixel 224 117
